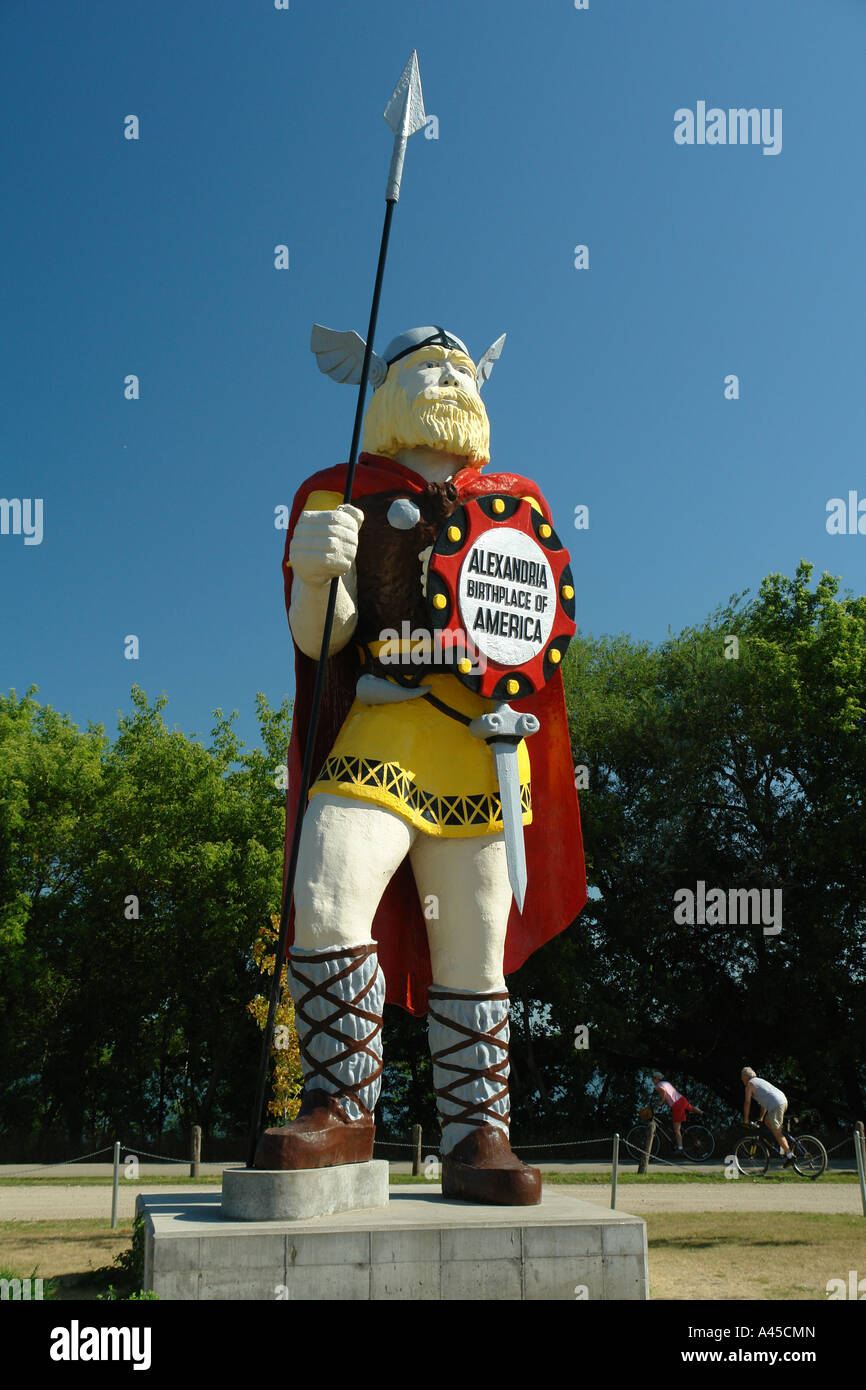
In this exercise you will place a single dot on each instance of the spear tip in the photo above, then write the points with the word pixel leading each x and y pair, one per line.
pixel 405 110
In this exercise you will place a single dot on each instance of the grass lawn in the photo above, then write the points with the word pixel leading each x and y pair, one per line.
pixel 160 1180
pixel 655 1176
pixel 730 1255
pixel 79 1254
pixel 571 1175
pixel 693 1255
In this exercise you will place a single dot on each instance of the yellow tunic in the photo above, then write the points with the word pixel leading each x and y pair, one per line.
pixel 413 759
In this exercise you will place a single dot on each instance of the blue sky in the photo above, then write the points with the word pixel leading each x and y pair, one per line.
pixel 556 128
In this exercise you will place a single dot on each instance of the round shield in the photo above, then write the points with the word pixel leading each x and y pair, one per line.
pixel 501 596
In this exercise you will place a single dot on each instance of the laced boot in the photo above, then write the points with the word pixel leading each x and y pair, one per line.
pixel 469 1046
pixel 339 996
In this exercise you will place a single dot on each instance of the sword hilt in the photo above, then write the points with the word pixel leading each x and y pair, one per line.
pixel 505 725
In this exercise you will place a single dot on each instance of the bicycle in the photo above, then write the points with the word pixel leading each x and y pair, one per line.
pixel 754 1153
pixel 698 1142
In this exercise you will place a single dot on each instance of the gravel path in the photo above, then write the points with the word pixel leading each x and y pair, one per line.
pixel 46 1203
pixel 735 1194
pixel 43 1203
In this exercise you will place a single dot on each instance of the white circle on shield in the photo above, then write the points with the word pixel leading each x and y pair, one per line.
pixel 507 596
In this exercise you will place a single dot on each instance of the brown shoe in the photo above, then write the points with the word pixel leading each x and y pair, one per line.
pixel 482 1168
pixel 320 1137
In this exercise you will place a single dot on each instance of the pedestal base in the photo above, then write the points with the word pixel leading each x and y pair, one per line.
pixel 299 1194
pixel 421 1246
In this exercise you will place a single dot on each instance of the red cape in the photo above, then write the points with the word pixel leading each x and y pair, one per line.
pixel 556 876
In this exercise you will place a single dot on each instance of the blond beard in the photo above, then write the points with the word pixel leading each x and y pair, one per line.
pixel 456 425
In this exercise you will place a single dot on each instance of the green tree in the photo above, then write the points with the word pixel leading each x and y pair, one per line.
pixel 50 782
pixel 741 770
pixel 136 875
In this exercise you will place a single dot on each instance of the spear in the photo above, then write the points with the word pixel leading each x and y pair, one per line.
pixel 405 114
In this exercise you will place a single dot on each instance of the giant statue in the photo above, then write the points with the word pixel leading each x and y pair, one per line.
pixel 441 841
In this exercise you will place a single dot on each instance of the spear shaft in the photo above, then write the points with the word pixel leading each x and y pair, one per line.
pixel 405 114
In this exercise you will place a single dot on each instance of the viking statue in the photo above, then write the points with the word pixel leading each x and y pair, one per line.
pixel 405 887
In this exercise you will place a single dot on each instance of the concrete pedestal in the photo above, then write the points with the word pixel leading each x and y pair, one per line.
pixel 252 1194
pixel 420 1246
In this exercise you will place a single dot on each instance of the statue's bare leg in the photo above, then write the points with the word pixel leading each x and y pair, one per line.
pixel 467 878
pixel 348 854
pixel 464 885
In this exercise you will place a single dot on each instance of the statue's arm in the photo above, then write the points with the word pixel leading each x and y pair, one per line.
pixel 307 615
pixel 323 547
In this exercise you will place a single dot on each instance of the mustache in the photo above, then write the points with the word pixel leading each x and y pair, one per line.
pixel 449 396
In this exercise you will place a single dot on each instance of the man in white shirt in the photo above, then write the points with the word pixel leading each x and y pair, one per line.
pixel 773 1103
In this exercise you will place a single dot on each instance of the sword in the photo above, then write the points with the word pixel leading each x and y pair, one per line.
pixel 502 729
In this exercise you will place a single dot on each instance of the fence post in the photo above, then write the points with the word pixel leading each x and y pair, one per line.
pixel 115 1184
pixel 416 1150
pixel 860 1154
pixel 650 1136
pixel 195 1155
pixel 614 1172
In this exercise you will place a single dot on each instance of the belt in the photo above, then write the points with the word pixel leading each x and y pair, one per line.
pixel 377 690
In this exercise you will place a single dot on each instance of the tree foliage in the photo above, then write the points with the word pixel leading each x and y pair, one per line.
pixel 140 878
pixel 134 877
pixel 738 770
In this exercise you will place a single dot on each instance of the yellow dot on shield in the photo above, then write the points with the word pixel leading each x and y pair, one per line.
pixel 512 687
pixel 544 530
pixel 555 656
pixel 464 665
pixel 439 601
pixel 453 533
pixel 567 591
pixel 498 505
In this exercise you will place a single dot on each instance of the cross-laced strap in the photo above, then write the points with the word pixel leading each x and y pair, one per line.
pixel 346 1003
pixel 477 1110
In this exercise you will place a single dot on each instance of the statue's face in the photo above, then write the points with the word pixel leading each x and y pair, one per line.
pixel 434 372
pixel 429 400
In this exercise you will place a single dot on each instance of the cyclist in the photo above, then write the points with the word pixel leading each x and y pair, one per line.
pixel 680 1107
pixel 773 1104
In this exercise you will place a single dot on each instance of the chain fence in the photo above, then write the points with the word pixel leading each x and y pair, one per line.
pixel 61 1163
pixel 429 1149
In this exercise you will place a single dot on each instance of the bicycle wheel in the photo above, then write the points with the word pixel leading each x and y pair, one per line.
pixel 636 1142
pixel 752 1156
pixel 698 1143
pixel 810 1156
